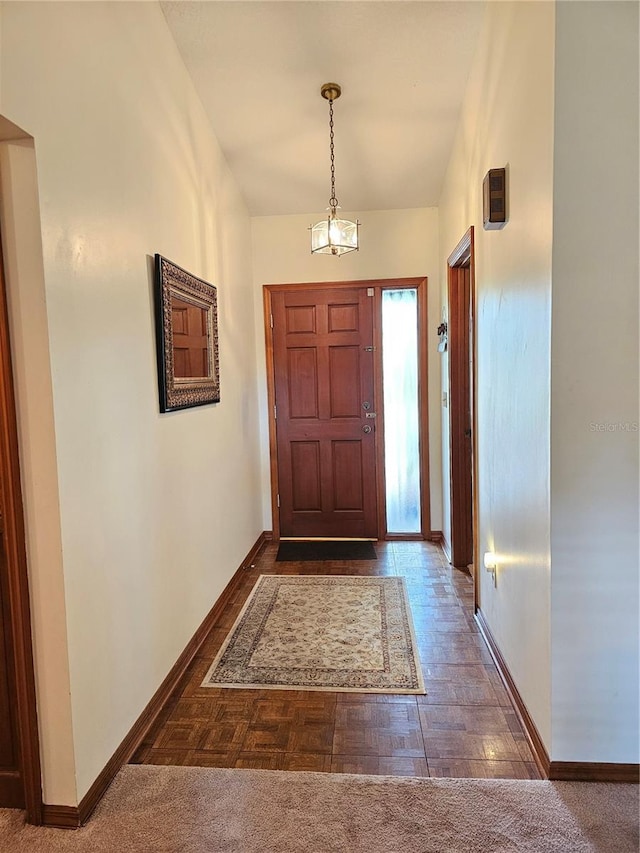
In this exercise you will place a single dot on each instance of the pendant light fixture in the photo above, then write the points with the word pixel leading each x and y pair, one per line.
pixel 333 236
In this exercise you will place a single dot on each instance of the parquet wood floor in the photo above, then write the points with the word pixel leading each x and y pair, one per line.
pixel 464 727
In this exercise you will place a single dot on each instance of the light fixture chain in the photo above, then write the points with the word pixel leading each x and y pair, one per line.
pixel 333 201
pixel 333 236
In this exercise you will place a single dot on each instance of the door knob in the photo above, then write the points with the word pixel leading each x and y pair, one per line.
pixel 366 428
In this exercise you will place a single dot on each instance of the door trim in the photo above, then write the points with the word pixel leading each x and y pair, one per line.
pixel 18 583
pixel 462 256
pixel 420 283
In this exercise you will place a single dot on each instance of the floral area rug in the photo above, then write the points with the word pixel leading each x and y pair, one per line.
pixel 322 632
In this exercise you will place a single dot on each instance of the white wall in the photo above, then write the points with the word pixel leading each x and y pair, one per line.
pixel 507 121
pixel 594 402
pixel 156 511
pixel 394 244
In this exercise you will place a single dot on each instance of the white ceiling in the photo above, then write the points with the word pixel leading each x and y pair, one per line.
pixel 258 68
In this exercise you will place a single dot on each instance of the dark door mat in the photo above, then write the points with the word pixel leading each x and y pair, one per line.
pixel 301 552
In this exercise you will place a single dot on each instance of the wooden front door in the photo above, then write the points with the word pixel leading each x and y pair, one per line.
pixel 190 340
pixel 324 390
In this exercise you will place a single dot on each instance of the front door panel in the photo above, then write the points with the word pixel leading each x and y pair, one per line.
pixel 324 384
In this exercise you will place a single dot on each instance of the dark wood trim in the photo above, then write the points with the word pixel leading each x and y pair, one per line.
pixel 254 553
pixel 61 817
pixel 474 418
pixel 381 475
pixel 17 575
pixel 590 771
pixel 423 406
pixel 459 397
pixel 436 537
pixel 464 256
pixel 69 817
pixel 460 418
pixel 364 282
pixel 271 403
pixel 420 283
pixel 420 286
pixel 533 735
pixel 566 771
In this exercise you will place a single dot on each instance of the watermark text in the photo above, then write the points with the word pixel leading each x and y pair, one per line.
pixel 619 426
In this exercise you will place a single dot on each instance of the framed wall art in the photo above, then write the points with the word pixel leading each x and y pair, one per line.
pixel 186 338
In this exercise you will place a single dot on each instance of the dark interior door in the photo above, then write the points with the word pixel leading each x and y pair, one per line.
pixel 19 750
pixel 460 424
pixel 12 790
pixel 11 786
pixel 325 412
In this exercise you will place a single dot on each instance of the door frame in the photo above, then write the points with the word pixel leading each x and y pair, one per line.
pixel 462 389
pixel 13 532
pixel 420 284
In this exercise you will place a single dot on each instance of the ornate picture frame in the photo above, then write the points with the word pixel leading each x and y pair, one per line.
pixel 186 338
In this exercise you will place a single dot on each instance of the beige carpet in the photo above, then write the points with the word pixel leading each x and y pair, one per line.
pixel 322 632
pixel 195 809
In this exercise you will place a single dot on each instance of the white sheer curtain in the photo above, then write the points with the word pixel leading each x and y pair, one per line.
pixel 401 418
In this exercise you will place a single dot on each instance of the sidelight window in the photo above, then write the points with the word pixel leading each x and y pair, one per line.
pixel 401 409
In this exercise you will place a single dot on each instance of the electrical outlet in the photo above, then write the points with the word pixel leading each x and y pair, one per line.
pixel 491 565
